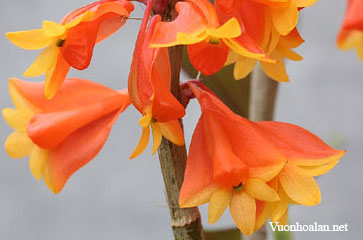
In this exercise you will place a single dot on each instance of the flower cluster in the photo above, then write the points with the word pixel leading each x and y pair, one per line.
pixel 255 168
pixel 236 31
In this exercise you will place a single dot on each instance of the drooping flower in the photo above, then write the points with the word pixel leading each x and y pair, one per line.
pixel 351 32
pixel 258 27
pixel 307 156
pixel 149 88
pixel 241 164
pixel 209 41
pixel 229 164
pixel 63 134
pixel 70 43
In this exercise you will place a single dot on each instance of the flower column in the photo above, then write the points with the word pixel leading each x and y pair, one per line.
pixel 186 223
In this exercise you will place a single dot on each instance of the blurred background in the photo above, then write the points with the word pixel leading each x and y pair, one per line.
pixel 115 198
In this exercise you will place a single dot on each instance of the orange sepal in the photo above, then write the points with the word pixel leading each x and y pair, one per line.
pixel 198 177
pixel 206 57
pixel 76 151
pixel 299 145
pixel 78 103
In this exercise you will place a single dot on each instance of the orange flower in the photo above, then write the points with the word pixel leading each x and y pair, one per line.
pixel 70 43
pixel 238 163
pixel 63 134
pixel 258 28
pixel 351 32
pixel 285 13
pixel 199 27
pixel 149 88
pixel 307 156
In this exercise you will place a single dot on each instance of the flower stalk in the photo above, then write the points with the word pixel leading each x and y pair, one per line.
pixel 185 222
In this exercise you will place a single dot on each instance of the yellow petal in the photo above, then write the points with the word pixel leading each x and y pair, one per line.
pixel 44 62
pixel 305 3
pixel 280 207
pixel 230 29
pixel 18 145
pixel 285 19
pixel 275 38
pixel 284 218
pixel 186 39
pixel 232 58
pixel 218 203
pixel 276 71
pixel 173 132
pixel 53 29
pixel 243 211
pixel 155 128
pixel 144 140
pixel 316 170
pixel 267 173
pixel 30 40
pixel 288 53
pixel 89 15
pixel 264 215
pixel 243 67
pixel 318 162
pixel 258 189
pixel 235 47
pixel 199 199
pixel 19 101
pixel 16 119
pixel 37 160
pixel 301 189
pixel 145 120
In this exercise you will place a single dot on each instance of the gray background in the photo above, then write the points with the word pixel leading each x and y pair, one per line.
pixel 115 198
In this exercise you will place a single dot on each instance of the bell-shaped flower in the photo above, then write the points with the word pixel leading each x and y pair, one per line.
pixel 238 163
pixel 307 156
pixel 209 42
pixel 351 31
pixel 149 88
pixel 70 43
pixel 258 29
pixel 62 134
pixel 229 164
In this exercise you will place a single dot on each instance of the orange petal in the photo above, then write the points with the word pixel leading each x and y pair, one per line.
pixel 243 211
pixel 299 145
pixel 78 103
pixel 207 58
pixel 198 184
pixel 78 46
pixel 77 150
